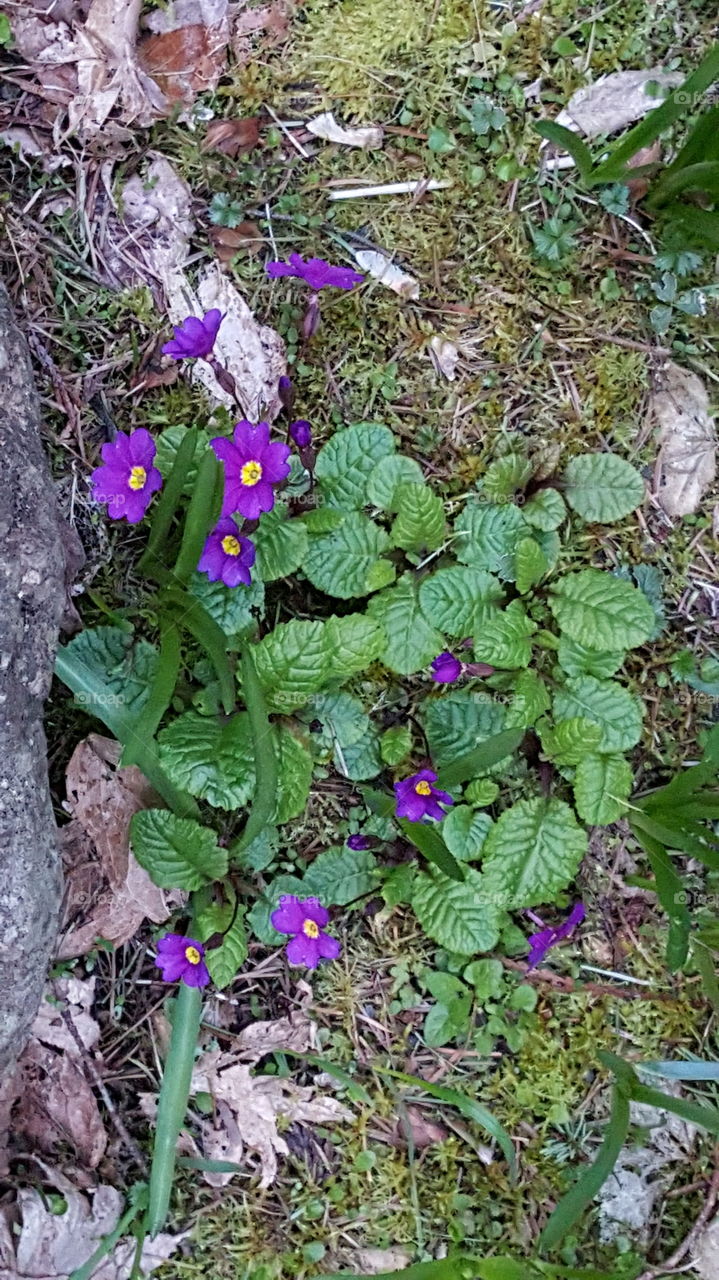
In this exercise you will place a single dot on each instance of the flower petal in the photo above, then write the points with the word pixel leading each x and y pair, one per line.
pixel 196 975
pixel 289 916
pixel 313 910
pixel 329 947
pixel 304 950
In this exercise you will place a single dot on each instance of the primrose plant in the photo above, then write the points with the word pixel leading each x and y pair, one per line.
pixel 229 708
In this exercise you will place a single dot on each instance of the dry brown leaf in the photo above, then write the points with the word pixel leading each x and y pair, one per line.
pixel 686 465
pixel 297 1033
pixel 444 356
pixel 247 1109
pixel 424 1130
pixel 108 894
pixel 272 19
pixel 186 52
pixel 382 268
pixel 373 1262
pixel 232 137
pixel 51 1246
pixel 368 137
pixel 614 101
pixel 227 241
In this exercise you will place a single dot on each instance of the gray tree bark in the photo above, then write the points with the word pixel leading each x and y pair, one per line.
pixel 32 601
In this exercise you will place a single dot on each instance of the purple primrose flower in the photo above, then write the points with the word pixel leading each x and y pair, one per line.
pixel 418 798
pixel 286 392
pixel 540 943
pixel 446 668
pixel 127 479
pixel 358 842
pixel 301 433
pixel 317 273
pixel 182 958
pixel 227 557
pixel 305 920
pixel 194 338
pixel 252 466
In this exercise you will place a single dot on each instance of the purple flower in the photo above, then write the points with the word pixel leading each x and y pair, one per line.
pixel 227 557
pixel 358 842
pixel 194 337
pixel 306 920
pixel 182 958
pixel 127 479
pixel 540 943
pixel 317 273
pixel 286 392
pixel 301 433
pixel 418 798
pixel 446 668
pixel 252 466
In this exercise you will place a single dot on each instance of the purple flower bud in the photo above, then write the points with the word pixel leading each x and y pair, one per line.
pixel 195 337
pixel 446 668
pixel 311 321
pixel 301 433
pixel 286 392
pixel 358 842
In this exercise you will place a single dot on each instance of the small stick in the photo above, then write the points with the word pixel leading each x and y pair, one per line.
pixel 672 1263
pixel 89 1068
pixel 392 189
pixel 297 145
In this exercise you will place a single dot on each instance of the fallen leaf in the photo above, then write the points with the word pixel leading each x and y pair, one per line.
pixel 155 209
pixel 444 356
pixel 232 137
pixel 247 1109
pixel 50 1246
pixel 186 50
pixel 368 137
pixel 227 241
pixel 686 464
pixel 705 1252
pixel 297 1033
pixel 272 19
pixel 382 268
pixel 638 187
pixel 614 101
pixel 108 894
pixel 373 1262
pixel 425 1132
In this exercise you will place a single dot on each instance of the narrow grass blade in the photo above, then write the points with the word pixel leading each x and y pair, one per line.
pixel 355 1090
pixel 189 613
pixel 443 1269
pixel 172 1104
pixel 703 176
pixel 672 1070
pixel 702 142
pixel 693 1112
pixel 701 224
pixel 152 562
pixel 108 1242
pixel 160 695
pixel 201 516
pixel 265 748
pixel 670 891
pixel 467 1106
pixel 568 141
pixel 430 843
pixel 488 753
pixel 704 962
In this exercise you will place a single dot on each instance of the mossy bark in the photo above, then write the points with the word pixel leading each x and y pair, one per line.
pixel 32 602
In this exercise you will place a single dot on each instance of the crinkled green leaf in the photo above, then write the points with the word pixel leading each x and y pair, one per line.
pixel 530 564
pixel 505 476
pixel 577 660
pixel 322 519
pixel 294 769
pixel 360 760
pixel 224 962
pixel 545 510
pixel 532 852
pixel 396 744
pixel 571 740
pixel 340 875
pixel 281 544
pixel 617 712
pixel 458 722
pixel 420 524
pixel 353 643
pixel 393 470
pixel 346 462
pixel 602 488
pixel 504 640
pixel 481 792
pixel 176 853
pixel 411 642
pixel 459 916
pixel 602 786
pixel 341 718
pixel 600 611
pixel 340 563
pixel 234 609
pixel 487 536
pixel 125 665
pixel 293 662
pixel 167 444
pixel 210 758
pixel 531 699
pixel 460 600
pixel 464 831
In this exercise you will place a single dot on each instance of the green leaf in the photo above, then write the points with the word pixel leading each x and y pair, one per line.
pixel 577 660
pixel 602 488
pixel 392 471
pixel 602 612
pixel 381 574
pixel 489 753
pixel 530 564
pixel 449 1017
pixel 503 640
pixel 353 643
pixel 224 962
pixel 459 916
pixel 230 607
pixel 339 563
pixel 125 666
pixel 460 600
pixel 168 443
pixel 420 524
pixel 395 745
pixel 427 839
pixel 411 641
pixel 322 519
pixel 571 740
pixel 281 544
pixel 176 853
pixel 456 724
pixel 487 978
pixel 505 476
pixel 294 768
pixel 464 832
pixel 342 719
pixel 545 511
pixel 532 852
pixel 187 612
pixel 602 786
pixel 210 759
pixel 341 875
pixel 361 760
pixel 481 792
pixel 487 537
pixel 568 141
pixel 607 704
pixel 293 662
pixel 531 699
pixel 346 462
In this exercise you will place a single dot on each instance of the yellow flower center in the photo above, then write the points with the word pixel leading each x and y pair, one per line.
pixel 231 546
pixel 193 955
pixel 138 478
pixel 251 473
pixel 423 789
pixel 310 929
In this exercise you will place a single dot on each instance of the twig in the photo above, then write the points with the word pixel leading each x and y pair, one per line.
pixel 297 145
pixel 89 1068
pixel 568 984
pixel 392 189
pixel 673 1261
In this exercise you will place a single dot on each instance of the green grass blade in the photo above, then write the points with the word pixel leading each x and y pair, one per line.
pixel 678 1070
pixel 483 757
pixel 265 747
pixel 444 1269
pixel 570 142
pixel 693 1112
pixel 152 563
pixel 172 1104
pixel 703 176
pixel 160 694
pixel 679 839
pixel 430 843
pixel 704 962
pixel 201 516
pixel 108 1242
pixel 190 614
pixel 670 892
pixel 702 225
pixel 702 142
pixel 467 1106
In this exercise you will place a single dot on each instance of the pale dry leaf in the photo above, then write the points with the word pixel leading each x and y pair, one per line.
pixel 156 210
pixel 373 1262
pixel 686 464
pixel 186 50
pixel 56 1105
pixel 272 21
pixel 382 268
pixel 108 894
pixel 705 1252
pixel 247 1109
pixel 67 998
pixel 51 1246
pixel 296 1033
pixel 444 355
pixel 615 101
pixel 367 137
